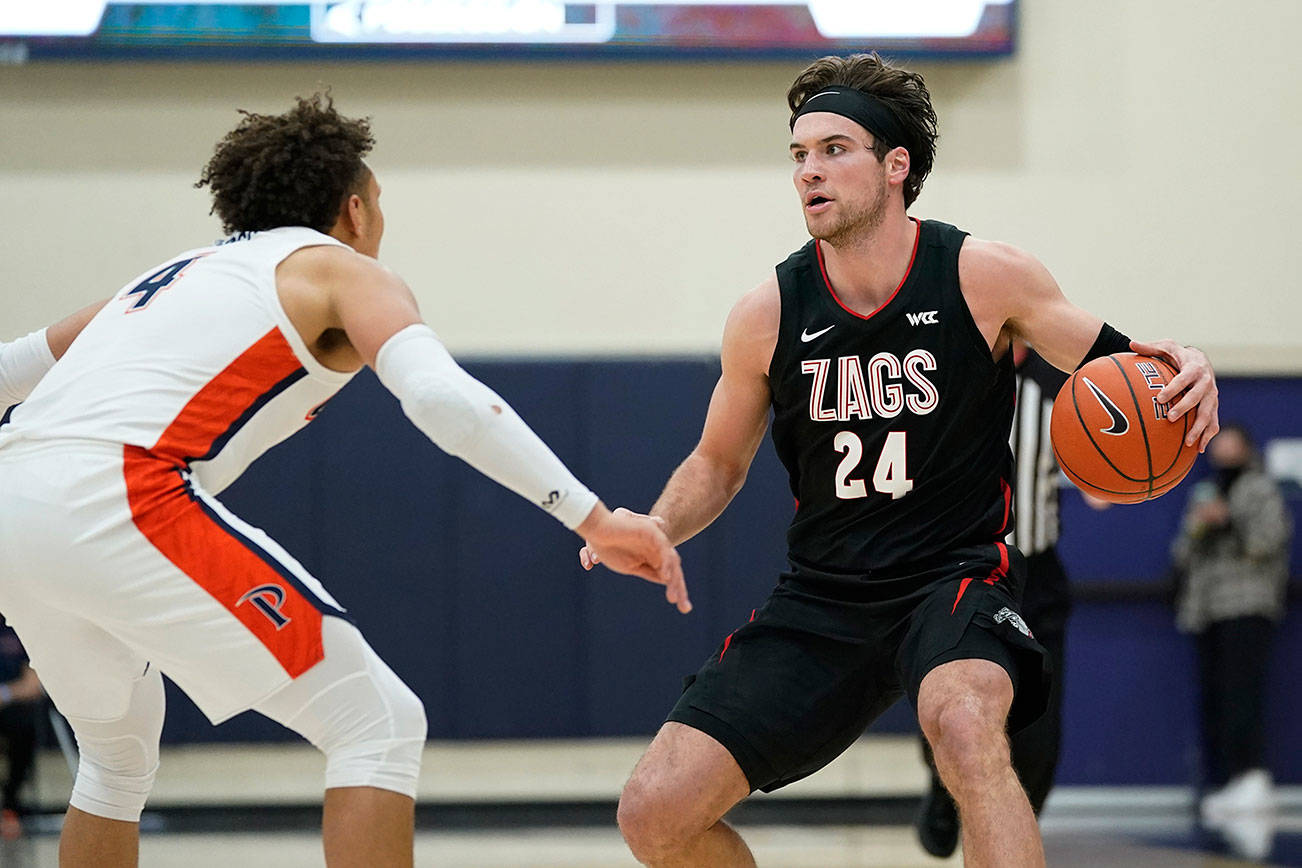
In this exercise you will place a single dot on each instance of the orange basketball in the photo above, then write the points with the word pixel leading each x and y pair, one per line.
pixel 1110 435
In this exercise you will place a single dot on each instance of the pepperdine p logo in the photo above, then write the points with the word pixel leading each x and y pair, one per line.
pixel 1120 424
pixel 268 599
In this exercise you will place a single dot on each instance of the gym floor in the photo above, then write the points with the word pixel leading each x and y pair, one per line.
pixel 551 804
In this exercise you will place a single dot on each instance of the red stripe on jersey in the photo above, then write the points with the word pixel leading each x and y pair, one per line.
pixel 219 404
pixel 224 565
pixel 185 531
pixel 1008 504
pixel 962 589
pixel 822 267
pixel 1000 571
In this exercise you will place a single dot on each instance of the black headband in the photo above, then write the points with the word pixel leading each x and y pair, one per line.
pixel 867 111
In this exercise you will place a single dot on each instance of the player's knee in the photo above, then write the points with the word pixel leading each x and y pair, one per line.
pixel 967 737
pixel 653 820
pixel 378 743
pixel 114 777
pixel 644 830
pixel 119 758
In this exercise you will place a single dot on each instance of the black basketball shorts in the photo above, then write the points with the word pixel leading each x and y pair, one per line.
pixel 791 689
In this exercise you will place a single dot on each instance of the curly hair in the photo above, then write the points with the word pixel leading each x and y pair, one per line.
pixel 903 92
pixel 292 169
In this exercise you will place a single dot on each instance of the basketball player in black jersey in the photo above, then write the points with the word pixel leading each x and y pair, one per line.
pixel 882 347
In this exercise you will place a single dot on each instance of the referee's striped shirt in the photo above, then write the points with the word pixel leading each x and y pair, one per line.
pixel 1036 487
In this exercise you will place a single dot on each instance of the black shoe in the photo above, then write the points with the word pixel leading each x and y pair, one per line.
pixel 937 823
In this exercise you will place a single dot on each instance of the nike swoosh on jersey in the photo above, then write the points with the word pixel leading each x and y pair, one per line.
pixel 1120 424
pixel 806 337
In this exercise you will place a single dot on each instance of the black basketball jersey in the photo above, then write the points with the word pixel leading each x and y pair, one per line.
pixel 894 426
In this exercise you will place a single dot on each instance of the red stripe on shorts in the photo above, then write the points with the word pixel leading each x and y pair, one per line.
pixel 1000 571
pixel 728 641
pixel 181 527
pixel 962 589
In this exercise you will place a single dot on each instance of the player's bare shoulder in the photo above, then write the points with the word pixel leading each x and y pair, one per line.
pixel 316 283
pixel 329 268
pixel 999 281
pixel 995 266
pixel 750 333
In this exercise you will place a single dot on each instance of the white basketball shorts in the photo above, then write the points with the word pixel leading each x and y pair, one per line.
pixel 111 557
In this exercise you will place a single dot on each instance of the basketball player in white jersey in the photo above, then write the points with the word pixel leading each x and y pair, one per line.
pixel 119 562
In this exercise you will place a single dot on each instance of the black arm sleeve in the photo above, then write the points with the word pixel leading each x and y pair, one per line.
pixel 1108 342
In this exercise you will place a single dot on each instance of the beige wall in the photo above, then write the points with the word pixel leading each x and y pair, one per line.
pixel 1148 151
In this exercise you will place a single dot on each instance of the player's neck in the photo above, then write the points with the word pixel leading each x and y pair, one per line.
pixel 865 271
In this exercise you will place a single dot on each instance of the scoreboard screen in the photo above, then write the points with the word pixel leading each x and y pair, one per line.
pixel 487 29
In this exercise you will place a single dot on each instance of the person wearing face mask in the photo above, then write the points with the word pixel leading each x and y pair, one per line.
pixel 1232 551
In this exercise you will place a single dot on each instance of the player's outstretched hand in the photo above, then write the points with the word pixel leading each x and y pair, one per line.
pixel 635 544
pixel 1196 380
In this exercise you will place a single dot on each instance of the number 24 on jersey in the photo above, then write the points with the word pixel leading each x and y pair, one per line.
pixel 889 477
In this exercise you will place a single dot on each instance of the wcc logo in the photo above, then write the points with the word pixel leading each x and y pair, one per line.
pixel 268 599
pixel 926 317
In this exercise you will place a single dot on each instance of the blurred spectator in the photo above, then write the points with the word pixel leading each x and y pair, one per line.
pixel 20 700
pixel 1232 552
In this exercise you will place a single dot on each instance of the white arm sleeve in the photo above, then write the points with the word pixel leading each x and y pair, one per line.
pixel 22 364
pixel 467 419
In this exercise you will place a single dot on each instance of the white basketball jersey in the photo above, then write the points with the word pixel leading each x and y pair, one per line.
pixel 194 361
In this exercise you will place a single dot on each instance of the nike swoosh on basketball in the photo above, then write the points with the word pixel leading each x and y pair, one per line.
pixel 806 337
pixel 1120 424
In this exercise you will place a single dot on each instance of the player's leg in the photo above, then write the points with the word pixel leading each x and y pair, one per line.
pixel 238 623
pixel 371 728
pixel 117 741
pixel 963 707
pixel 367 826
pixel 671 810
pixel 118 761
pixel 88 841
pixel 55 533
pixel 975 673
pixel 779 699
pixel 937 819
pixel 114 703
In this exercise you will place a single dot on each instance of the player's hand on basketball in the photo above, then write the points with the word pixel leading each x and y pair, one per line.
pixel 1194 385
pixel 635 544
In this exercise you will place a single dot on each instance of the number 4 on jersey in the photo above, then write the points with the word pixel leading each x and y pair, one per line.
pixel 159 280
pixel 890 476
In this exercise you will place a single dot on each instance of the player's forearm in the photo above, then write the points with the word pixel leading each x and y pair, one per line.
pixel 695 495
pixel 22 364
pixel 25 360
pixel 465 418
